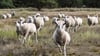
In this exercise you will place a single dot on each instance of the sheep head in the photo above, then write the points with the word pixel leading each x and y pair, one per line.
pixel 60 24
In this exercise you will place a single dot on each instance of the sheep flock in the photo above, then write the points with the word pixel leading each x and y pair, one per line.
pixel 31 25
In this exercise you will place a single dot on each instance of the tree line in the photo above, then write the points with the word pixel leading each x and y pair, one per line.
pixel 49 3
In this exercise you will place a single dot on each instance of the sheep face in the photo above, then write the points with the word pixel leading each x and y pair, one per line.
pixel 54 19
pixel 21 19
pixel 60 24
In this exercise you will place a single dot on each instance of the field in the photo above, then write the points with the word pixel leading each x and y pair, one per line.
pixel 84 42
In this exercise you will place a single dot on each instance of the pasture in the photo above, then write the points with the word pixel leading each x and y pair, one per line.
pixel 84 42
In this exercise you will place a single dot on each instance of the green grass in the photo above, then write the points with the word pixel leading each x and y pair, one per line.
pixel 8 33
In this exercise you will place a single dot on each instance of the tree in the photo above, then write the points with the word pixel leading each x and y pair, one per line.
pixel 6 4
pixel 44 4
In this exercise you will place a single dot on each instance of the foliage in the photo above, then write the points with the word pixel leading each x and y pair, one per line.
pixel 39 4
pixel 6 4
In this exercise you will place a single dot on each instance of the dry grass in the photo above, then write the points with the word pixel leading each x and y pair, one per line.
pixel 85 42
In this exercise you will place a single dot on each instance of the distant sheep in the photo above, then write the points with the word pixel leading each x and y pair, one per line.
pixel 46 18
pixel 61 15
pixel 12 13
pixel 9 15
pixel 61 37
pixel 92 20
pixel 70 23
pixel 37 14
pixel 22 19
pixel 39 22
pixel 78 21
pixel 4 16
pixel 29 19
pixel 54 19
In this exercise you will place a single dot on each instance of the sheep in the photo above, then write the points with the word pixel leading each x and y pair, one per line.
pixel 18 30
pixel 70 23
pixel 22 19
pixel 12 13
pixel 37 14
pixel 92 20
pixel 26 30
pixel 54 19
pixel 29 19
pixel 46 18
pixel 8 15
pixel 61 15
pixel 4 16
pixel 39 22
pixel 61 37
pixel 78 23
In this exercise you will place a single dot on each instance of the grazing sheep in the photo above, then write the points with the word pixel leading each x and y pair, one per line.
pixel 8 15
pixel 12 13
pixel 61 15
pixel 70 23
pixel 61 37
pixel 78 21
pixel 4 16
pixel 37 14
pixel 26 30
pixel 92 20
pixel 29 19
pixel 46 18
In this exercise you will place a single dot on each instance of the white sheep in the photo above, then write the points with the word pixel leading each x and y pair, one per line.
pixel 29 19
pixel 61 37
pixel 26 30
pixel 78 21
pixel 39 22
pixel 46 18
pixel 9 15
pixel 54 19
pixel 92 20
pixel 61 15
pixel 4 16
pixel 12 13
pixel 37 14
pixel 70 23
pixel 22 19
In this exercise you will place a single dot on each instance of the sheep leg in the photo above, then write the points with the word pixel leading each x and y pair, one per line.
pixel 20 38
pixel 25 37
pixel 39 28
pixel 36 33
pixel 75 29
pixel 65 50
pixel 60 49
pixel 68 29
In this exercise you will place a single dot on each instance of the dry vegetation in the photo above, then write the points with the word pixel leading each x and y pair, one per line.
pixel 85 42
